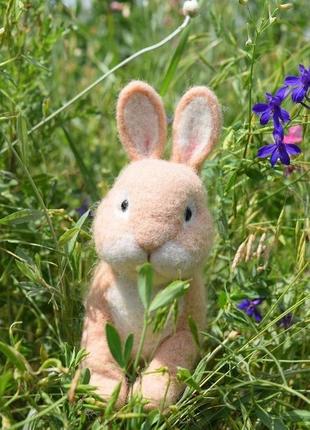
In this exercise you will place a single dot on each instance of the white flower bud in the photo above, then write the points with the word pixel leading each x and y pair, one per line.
pixel 286 6
pixel 190 8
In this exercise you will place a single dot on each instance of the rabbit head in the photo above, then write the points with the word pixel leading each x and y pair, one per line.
pixel 157 209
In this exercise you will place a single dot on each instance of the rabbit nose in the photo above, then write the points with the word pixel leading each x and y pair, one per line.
pixel 151 235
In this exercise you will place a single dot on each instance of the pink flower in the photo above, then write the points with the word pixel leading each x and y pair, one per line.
pixel 294 135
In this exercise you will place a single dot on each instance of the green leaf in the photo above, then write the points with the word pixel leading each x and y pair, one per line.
pixel 115 345
pixel 86 173
pixel 166 296
pixel 174 62
pixel 222 299
pixel 128 348
pixel 22 135
pixel 70 236
pixel 270 421
pixel 145 283
pixel 194 330
pixel 67 236
pixel 113 399
pixel 79 226
pixel 298 415
pixel 254 174
pixel 15 357
pixel 19 217
pixel 4 382
pixel 186 376
pixel 27 270
pixel 85 376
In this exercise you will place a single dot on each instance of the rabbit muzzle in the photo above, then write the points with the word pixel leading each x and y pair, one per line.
pixel 152 232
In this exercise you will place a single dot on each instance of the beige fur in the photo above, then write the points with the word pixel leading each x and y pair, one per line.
pixel 152 228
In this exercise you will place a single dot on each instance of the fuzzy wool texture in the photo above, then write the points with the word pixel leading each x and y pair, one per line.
pixel 152 226
pixel 196 126
pixel 141 121
pixel 127 312
pixel 154 222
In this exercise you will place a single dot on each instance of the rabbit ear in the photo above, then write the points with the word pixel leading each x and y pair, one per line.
pixel 141 121
pixel 196 127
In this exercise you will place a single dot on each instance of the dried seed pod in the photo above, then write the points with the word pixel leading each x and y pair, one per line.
pixel 260 247
pixel 239 255
pixel 249 247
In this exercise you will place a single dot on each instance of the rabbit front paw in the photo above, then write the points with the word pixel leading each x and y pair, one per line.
pixel 106 385
pixel 160 390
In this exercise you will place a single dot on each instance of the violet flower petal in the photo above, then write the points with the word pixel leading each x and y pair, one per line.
pixel 244 304
pixel 257 301
pixel 284 115
pixel 282 93
pixel 292 149
pixel 260 107
pixel 265 151
pixel 298 94
pixel 257 316
pixel 274 157
pixel 265 117
pixel 292 80
pixel 284 157
pixel 301 68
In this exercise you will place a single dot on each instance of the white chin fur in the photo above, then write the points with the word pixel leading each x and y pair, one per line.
pixel 123 254
pixel 171 260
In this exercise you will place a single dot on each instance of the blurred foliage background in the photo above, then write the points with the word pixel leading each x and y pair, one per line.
pixel 50 51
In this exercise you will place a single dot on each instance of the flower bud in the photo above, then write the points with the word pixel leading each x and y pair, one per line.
pixel 190 8
pixel 286 6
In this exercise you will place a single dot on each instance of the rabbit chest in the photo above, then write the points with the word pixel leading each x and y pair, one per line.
pixel 127 313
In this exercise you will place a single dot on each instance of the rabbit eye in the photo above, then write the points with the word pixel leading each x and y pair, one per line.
pixel 188 214
pixel 124 205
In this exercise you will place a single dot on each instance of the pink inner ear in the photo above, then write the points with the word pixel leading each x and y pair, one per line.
pixel 190 148
pixel 196 126
pixel 147 145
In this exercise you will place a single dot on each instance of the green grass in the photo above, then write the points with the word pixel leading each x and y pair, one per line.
pixel 49 53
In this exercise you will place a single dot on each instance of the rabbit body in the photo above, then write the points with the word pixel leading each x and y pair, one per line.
pixel 156 212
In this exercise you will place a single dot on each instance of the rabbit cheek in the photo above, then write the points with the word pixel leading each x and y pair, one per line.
pixel 172 261
pixel 122 253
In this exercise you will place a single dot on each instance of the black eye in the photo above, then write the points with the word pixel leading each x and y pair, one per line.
pixel 188 214
pixel 124 205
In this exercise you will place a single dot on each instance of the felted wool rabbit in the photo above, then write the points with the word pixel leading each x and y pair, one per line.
pixel 157 212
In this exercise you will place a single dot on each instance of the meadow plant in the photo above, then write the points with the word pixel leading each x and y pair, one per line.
pixel 62 65
pixel 281 149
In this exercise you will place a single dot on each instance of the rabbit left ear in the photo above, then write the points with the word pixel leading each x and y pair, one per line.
pixel 196 127
pixel 141 121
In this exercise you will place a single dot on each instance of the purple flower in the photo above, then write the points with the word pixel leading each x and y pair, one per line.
pixel 272 109
pixel 300 84
pixel 279 149
pixel 250 308
pixel 286 322
pixel 84 207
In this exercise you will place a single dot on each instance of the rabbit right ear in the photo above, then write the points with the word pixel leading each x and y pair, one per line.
pixel 196 127
pixel 141 121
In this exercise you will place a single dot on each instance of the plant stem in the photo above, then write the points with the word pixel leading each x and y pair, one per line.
pixel 142 339
pixel 250 96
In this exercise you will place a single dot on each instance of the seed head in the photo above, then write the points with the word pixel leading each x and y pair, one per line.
pixel 190 8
